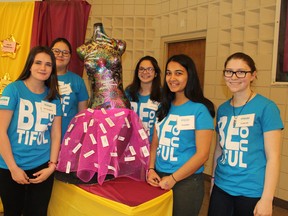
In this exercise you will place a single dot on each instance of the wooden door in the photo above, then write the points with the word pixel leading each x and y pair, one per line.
pixel 195 49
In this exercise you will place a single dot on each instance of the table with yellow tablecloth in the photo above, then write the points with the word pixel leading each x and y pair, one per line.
pixel 1 207
pixel 117 197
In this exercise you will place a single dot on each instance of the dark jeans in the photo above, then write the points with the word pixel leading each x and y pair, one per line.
pixel 223 204
pixel 187 195
pixel 26 200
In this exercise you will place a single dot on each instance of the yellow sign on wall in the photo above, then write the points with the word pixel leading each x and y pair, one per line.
pixel 9 47
pixel 16 19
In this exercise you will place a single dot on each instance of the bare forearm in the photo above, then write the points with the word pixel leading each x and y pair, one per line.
pixel 55 139
pixel 271 179
pixel 203 142
pixel 217 153
pixel 191 166
pixel 272 150
pixel 82 105
pixel 5 145
pixel 6 152
pixel 153 149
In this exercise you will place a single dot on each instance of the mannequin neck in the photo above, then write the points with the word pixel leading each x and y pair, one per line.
pixel 98 31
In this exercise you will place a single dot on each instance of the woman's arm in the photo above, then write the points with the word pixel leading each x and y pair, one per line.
pixel 82 105
pixel 17 173
pixel 153 149
pixel 5 146
pixel 43 174
pixel 55 139
pixel 216 155
pixel 272 144
pixel 203 142
pixel 152 177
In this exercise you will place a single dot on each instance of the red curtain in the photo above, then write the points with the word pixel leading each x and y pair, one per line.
pixel 285 55
pixel 66 18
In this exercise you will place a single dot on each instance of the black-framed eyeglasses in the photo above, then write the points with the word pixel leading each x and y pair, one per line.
pixel 57 52
pixel 239 74
pixel 148 69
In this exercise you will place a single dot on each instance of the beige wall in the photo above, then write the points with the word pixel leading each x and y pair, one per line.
pixel 228 26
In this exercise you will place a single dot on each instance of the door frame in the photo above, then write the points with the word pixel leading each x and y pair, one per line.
pixel 165 40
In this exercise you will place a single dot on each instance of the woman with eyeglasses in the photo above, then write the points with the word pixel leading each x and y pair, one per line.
pixel 182 137
pixel 247 153
pixel 144 92
pixel 74 95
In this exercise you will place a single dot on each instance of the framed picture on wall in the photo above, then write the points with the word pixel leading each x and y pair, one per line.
pixel 280 53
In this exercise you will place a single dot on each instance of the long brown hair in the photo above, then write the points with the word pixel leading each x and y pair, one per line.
pixel 52 81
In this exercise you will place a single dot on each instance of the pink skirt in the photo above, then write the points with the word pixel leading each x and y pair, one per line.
pixel 105 142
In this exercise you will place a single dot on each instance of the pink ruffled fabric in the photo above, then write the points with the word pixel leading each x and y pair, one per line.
pixel 105 142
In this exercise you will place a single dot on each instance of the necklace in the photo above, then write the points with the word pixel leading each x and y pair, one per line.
pixel 235 117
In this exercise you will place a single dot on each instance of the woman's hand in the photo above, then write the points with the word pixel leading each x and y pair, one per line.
pixel 153 178
pixel 167 182
pixel 263 208
pixel 19 175
pixel 42 175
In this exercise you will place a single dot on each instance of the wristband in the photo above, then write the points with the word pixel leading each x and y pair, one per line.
pixel 151 168
pixel 52 163
pixel 173 177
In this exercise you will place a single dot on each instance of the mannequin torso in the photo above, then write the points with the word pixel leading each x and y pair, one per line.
pixel 102 60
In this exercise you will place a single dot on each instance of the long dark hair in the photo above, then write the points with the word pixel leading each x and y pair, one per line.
pixel 193 90
pixel 135 86
pixel 52 81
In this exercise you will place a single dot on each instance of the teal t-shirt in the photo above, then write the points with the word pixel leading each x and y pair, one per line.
pixel 146 109
pixel 72 90
pixel 240 169
pixel 30 126
pixel 176 135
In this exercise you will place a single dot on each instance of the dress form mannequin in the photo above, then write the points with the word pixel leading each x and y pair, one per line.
pixel 102 61
pixel 108 139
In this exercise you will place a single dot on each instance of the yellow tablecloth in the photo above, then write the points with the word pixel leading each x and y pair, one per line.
pixel 1 207
pixel 71 200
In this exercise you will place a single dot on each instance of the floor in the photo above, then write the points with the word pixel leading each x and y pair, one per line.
pixel 277 211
